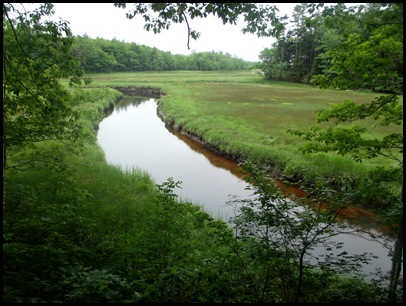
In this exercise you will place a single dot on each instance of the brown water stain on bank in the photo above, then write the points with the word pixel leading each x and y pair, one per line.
pixel 355 215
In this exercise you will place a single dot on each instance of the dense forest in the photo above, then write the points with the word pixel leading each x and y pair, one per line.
pixel 101 55
pixel 78 230
pixel 318 42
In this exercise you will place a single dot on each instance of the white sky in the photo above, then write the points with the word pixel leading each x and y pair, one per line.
pixel 104 20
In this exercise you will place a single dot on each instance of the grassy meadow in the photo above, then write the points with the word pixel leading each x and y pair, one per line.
pixel 246 117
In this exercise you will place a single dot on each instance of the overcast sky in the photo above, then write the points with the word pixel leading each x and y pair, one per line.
pixel 107 21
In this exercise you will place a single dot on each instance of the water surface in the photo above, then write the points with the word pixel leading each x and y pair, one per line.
pixel 134 136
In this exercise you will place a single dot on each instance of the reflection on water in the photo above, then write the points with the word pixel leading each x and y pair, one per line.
pixel 134 136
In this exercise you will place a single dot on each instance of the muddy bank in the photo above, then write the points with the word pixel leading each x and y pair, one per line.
pixel 149 92
pixel 198 138
pixel 355 215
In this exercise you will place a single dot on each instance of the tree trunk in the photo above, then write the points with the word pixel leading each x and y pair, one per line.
pixel 4 170
pixel 396 258
pixel 396 265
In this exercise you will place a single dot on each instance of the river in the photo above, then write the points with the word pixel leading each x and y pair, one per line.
pixel 133 135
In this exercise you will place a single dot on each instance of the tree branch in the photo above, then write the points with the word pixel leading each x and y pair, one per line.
pixel 188 30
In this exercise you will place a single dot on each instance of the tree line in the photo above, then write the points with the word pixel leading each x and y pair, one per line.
pixel 319 41
pixel 102 55
pixel 351 48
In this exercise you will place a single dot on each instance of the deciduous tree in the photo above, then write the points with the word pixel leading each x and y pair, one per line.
pixel 35 58
pixel 260 19
pixel 371 59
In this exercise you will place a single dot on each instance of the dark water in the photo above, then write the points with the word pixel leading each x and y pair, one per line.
pixel 134 136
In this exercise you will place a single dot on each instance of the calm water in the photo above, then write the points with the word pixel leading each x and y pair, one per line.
pixel 134 136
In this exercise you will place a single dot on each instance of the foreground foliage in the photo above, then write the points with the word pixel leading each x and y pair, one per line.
pixel 376 47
